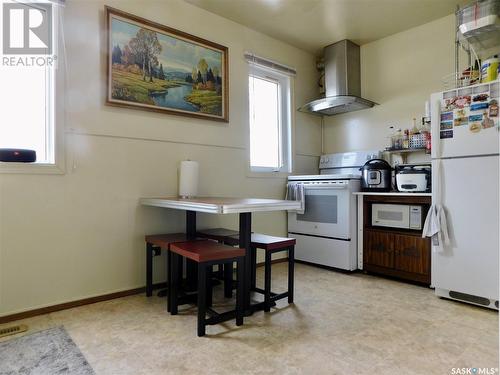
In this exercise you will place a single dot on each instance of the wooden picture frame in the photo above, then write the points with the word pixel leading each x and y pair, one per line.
pixel 157 68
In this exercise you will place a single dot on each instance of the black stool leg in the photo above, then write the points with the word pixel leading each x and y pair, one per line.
pixel 267 282
pixel 149 269
pixel 253 276
pixel 191 274
pixel 169 279
pixel 228 280
pixel 291 266
pixel 180 270
pixel 239 292
pixel 202 291
pixel 174 286
pixel 209 288
pixel 220 268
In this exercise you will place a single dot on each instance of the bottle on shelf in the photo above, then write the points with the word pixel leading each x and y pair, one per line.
pixel 406 139
pixel 390 138
pixel 398 139
pixel 425 130
pixel 415 129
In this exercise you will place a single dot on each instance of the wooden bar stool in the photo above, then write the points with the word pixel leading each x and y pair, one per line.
pixel 154 244
pixel 229 237
pixel 206 254
pixel 272 245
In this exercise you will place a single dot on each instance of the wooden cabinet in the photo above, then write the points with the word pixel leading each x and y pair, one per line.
pixel 379 249
pixel 395 252
pixel 412 254
pixel 406 256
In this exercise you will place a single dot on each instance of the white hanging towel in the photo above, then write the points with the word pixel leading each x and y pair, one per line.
pixel 436 226
pixel 295 192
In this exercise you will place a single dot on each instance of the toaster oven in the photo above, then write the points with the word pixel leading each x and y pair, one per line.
pixel 402 216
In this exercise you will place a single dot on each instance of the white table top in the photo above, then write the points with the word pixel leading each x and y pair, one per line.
pixel 221 205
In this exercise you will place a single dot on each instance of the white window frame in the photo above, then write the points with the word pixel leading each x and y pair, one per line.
pixel 285 120
pixel 55 134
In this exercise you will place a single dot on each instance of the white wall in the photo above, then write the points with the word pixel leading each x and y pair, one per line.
pixel 68 237
pixel 398 72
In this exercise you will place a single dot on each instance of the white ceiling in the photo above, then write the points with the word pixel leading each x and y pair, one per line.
pixel 313 24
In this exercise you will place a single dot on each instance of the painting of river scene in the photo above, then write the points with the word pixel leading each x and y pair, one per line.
pixel 158 68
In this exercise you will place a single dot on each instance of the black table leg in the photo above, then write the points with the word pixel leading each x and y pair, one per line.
pixel 245 239
pixel 191 267
pixel 191 223
pixel 149 269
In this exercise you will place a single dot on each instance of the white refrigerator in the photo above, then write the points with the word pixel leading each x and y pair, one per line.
pixel 465 181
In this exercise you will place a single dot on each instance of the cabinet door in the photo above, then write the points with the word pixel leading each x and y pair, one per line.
pixel 378 249
pixel 412 254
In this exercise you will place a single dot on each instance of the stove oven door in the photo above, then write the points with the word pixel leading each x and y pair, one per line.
pixel 327 211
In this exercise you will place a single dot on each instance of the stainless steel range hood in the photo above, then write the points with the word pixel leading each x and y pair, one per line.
pixel 342 82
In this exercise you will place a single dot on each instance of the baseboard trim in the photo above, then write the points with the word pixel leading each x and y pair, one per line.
pixel 77 303
pixel 91 300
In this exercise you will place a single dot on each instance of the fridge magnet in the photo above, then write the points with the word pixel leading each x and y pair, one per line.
pixel 447 105
pixel 447 116
pixel 459 121
pixel 478 106
pixel 480 98
pixel 446 134
pixel 446 125
pixel 487 122
pixel 462 101
pixel 475 127
pixel 493 112
pixel 457 102
pixel 461 112
pixel 474 118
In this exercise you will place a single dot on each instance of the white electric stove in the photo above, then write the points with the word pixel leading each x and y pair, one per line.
pixel 326 231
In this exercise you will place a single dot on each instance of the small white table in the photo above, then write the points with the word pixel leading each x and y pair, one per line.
pixel 223 205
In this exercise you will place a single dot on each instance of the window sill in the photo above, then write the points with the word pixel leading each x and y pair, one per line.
pixel 254 174
pixel 30 168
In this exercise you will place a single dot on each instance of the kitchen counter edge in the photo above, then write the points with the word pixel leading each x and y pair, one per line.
pixel 393 193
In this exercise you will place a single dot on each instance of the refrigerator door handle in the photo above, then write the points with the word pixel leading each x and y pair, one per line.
pixel 435 125
pixel 437 198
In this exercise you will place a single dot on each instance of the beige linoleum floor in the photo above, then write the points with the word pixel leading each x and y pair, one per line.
pixel 340 324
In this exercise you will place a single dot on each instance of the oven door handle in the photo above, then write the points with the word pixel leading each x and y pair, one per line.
pixel 323 187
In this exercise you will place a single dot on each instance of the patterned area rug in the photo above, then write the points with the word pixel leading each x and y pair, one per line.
pixel 43 353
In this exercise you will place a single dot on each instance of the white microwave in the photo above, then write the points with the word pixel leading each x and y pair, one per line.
pixel 403 216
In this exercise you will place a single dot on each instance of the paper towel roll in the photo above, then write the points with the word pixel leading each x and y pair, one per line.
pixel 188 179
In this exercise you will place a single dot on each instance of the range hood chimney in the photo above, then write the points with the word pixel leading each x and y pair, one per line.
pixel 342 82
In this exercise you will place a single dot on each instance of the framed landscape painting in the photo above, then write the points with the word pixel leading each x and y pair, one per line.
pixel 157 68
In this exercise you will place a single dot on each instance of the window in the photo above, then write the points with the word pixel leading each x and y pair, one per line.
pixel 269 119
pixel 28 95
pixel 27 115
